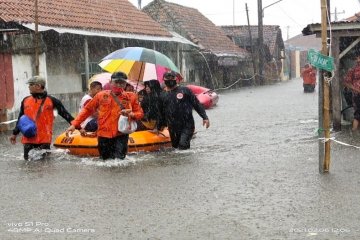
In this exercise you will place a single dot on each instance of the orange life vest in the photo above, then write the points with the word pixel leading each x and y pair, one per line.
pixel 109 112
pixel 44 123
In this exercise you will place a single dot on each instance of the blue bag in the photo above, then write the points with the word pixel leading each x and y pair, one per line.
pixel 27 126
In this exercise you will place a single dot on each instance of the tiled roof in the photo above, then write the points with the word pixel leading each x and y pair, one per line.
pixel 355 18
pixel 103 15
pixel 304 42
pixel 271 33
pixel 190 23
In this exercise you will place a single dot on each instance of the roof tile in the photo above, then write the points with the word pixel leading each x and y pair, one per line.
pixel 103 15
pixel 194 26
pixel 271 34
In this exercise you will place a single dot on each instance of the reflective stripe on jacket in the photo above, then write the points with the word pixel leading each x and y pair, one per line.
pixel 109 112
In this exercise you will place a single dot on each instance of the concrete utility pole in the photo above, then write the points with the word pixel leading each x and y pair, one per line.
pixel 233 12
pixel 86 61
pixel 261 38
pixel 261 42
pixel 251 42
pixel 36 40
pixel 336 14
pixel 287 32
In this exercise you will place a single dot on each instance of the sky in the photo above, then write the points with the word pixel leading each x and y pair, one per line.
pixel 291 15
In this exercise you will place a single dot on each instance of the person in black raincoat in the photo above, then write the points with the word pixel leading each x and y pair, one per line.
pixel 150 105
pixel 176 105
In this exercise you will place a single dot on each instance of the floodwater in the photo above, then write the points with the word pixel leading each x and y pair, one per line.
pixel 252 175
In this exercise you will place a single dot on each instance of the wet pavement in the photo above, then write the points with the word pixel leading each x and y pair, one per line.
pixel 252 175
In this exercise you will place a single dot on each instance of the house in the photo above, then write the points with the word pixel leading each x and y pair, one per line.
pixel 218 62
pixel 345 47
pixel 273 46
pixel 73 36
pixel 296 49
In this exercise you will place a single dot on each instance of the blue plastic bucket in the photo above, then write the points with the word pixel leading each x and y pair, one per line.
pixel 27 126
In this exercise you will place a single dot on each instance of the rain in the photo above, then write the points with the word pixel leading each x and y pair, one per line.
pixel 257 172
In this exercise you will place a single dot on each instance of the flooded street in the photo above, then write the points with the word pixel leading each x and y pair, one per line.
pixel 252 175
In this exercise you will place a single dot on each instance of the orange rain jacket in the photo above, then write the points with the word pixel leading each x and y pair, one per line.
pixel 309 76
pixel 44 123
pixel 109 112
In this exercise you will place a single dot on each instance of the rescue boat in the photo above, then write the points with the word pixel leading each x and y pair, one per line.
pixel 140 141
pixel 207 97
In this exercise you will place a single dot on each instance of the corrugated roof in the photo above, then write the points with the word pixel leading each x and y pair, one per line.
pixel 271 33
pixel 106 15
pixel 196 27
pixel 175 37
pixel 348 24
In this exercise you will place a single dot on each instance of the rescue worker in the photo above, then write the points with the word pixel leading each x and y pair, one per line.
pixel 352 82
pixel 176 105
pixel 111 143
pixel 90 124
pixel 39 101
pixel 309 78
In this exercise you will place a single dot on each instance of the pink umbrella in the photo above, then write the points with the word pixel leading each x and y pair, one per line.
pixel 138 86
pixel 152 71
pixel 103 78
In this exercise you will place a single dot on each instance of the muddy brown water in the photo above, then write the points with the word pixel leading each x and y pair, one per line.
pixel 252 175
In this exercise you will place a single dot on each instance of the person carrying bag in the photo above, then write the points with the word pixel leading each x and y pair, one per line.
pixel 111 106
pixel 36 117
pixel 125 124
pixel 27 126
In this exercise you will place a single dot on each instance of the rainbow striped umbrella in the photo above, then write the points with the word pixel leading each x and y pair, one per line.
pixel 139 63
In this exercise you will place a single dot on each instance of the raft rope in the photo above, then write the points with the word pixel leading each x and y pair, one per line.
pixel 245 79
pixel 238 80
pixel 8 122
pixel 319 130
pixel 328 79
pixel 339 142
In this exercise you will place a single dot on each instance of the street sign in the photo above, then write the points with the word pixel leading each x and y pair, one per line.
pixel 320 61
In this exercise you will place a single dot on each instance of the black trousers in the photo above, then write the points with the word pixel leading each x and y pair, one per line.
pixel 29 146
pixel 309 87
pixel 356 105
pixel 112 148
pixel 181 137
pixel 91 126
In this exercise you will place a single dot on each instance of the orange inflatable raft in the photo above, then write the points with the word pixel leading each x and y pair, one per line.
pixel 141 141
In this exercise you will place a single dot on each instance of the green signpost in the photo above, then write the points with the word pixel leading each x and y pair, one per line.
pixel 320 61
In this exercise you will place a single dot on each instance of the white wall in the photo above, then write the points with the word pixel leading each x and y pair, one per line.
pixel 63 75
pixel 64 83
pixel 297 62
pixel 22 71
